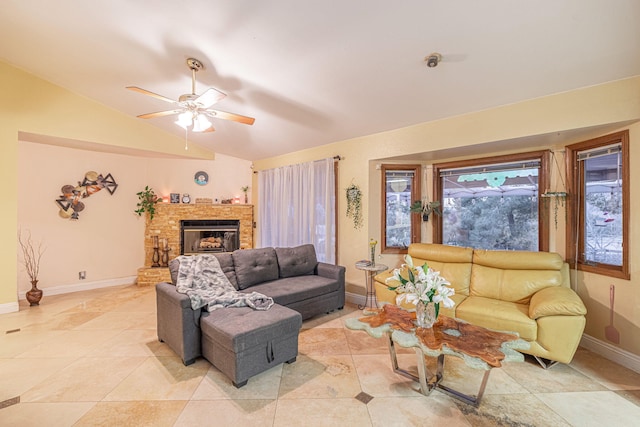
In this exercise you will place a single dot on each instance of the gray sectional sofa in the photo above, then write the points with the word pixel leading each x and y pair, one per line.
pixel 291 276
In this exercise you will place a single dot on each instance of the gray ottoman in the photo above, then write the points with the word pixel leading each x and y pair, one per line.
pixel 242 342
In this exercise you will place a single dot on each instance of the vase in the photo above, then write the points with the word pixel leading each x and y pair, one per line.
pixel 373 256
pixel 155 259
pixel 426 314
pixel 34 295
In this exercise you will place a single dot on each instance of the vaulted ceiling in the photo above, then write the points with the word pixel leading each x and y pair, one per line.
pixel 316 72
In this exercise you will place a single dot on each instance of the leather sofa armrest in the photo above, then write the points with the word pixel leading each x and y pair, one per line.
pixel 556 301
pixel 330 271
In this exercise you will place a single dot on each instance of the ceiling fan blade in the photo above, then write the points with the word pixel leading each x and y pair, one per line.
pixel 210 97
pixel 160 113
pixel 146 92
pixel 230 116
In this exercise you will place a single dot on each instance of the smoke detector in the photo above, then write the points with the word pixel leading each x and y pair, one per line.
pixel 433 59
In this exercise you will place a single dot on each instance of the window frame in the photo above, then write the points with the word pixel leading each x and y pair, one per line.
pixel 543 156
pixel 575 212
pixel 416 194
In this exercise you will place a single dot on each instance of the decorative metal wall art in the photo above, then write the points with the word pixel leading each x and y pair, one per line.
pixel 70 201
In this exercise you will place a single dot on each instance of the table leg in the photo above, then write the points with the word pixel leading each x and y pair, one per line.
pixel 370 302
pixel 429 381
pixel 472 400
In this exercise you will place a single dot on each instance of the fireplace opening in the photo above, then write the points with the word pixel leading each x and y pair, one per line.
pixel 199 236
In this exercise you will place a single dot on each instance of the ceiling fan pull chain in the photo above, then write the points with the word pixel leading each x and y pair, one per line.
pixel 186 140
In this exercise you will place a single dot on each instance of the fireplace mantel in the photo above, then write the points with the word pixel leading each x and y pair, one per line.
pixel 166 224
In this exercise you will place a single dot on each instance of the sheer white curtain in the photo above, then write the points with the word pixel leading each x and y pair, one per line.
pixel 297 206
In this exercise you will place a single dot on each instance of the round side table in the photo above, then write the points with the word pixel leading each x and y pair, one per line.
pixel 370 302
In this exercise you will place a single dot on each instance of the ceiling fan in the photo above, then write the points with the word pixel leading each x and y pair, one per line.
pixel 193 109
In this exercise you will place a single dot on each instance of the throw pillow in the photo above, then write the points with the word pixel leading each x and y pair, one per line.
pixel 255 266
pixel 296 261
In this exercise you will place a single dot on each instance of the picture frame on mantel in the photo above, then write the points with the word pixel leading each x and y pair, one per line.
pixel 174 197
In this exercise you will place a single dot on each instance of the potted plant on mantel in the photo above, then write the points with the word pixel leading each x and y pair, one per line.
pixel 31 260
pixel 425 208
pixel 147 202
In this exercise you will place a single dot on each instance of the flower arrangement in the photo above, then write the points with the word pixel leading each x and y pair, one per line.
pixel 424 285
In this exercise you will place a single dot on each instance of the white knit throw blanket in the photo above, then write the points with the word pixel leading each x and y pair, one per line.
pixel 202 279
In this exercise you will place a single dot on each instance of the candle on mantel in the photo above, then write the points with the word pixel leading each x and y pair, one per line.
pixel 155 242
pixel 236 199
pixel 165 199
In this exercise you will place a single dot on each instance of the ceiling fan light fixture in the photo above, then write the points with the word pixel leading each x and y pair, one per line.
pixel 201 123
pixel 185 120
pixel 193 110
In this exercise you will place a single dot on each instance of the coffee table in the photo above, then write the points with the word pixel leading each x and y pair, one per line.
pixel 480 348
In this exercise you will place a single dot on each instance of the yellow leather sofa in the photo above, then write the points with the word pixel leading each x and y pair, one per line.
pixel 525 292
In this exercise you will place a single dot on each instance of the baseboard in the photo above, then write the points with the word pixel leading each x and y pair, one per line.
pixel 611 352
pixel 66 289
pixel 10 307
pixel 355 299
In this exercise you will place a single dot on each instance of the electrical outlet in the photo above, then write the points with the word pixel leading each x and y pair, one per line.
pixel 82 275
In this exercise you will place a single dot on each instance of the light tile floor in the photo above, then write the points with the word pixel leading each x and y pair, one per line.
pixel 92 358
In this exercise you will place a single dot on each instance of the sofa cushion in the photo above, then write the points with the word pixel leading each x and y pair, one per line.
pixel 294 289
pixel 255 266
pixel 226 263
pixel 514 276
pixel 453 263
pixel 296 261
pixel 499 316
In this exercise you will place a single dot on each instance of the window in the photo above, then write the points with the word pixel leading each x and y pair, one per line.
pixel 297 206
pixel 597 235
pixel 400 187
pixel 493 203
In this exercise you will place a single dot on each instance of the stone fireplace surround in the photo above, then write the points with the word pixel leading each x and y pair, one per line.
pixel 166 225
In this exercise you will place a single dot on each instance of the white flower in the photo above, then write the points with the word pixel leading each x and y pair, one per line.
pixel 421 284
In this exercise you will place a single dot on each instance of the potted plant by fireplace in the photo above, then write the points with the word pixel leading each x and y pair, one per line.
pixel 31 259
pixel 147 200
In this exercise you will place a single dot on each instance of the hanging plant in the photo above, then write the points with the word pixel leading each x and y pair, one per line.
pixel 425 208
pixel 558 198
pixel 354 205
pixel 147 202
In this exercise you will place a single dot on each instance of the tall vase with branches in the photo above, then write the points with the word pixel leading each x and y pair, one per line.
pixel 31 255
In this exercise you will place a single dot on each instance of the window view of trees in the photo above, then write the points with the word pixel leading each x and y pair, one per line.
pixel 398 219
pixel 400 187
pixel 492 222
pixel 603 210
pixel 493 202
pixel 598 215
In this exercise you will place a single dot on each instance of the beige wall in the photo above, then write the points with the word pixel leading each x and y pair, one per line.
pixel 544 123
pixel 35 110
